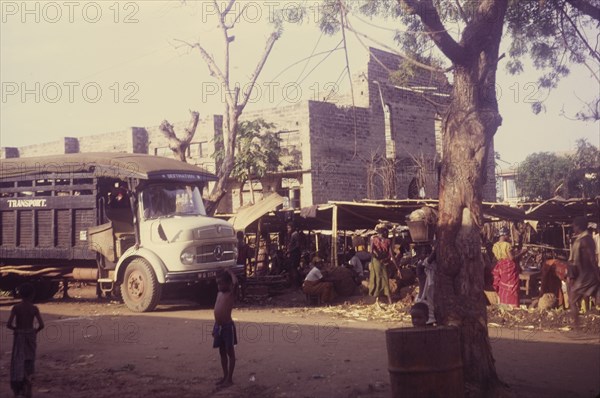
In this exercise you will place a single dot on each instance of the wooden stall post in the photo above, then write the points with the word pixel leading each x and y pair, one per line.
pixel 317 237
pixel 257 249
pixel 334 235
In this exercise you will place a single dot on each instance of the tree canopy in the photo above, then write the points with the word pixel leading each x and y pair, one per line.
pixel 541 175
pixel 555 35
pixel 544 175
pixel 256 153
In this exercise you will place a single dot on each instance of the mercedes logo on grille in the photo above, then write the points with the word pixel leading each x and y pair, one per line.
pixel 218 252
pixel 219 229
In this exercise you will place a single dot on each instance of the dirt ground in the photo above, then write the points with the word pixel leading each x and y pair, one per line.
pixel 98 349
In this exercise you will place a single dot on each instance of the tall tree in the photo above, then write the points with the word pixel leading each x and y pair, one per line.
pixel 468 36
pixel 584 178
pixel 468 129
pixel 235 99
pixel 257 153
pixel 542 176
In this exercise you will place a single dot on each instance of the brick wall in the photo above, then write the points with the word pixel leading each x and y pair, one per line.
pixel 116 141
pixel 293 124
pixel 413 116
pixel 48 148
pixel 337 172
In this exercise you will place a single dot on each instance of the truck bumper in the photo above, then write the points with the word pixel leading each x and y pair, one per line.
pixel 202 275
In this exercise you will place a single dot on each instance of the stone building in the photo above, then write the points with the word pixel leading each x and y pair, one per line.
pixel 385 146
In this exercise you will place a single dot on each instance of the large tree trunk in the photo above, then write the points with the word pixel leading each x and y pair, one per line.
pixel 468 131
pixel 459 282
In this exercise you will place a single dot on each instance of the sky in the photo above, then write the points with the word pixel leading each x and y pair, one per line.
pixel 82 68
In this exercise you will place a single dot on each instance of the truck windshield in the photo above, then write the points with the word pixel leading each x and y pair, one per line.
pixel 166 200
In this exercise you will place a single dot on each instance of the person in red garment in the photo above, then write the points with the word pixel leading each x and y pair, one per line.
pixel 506 271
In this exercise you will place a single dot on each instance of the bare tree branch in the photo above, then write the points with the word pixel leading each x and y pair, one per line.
pixel 179 146
pixel 226 38
pixel 461 11
pixel 395 51
pixel 168 131
pixel 212 66
pixel 227 9
pixel 584 40
pixel 237 18
pixel 190 130
pixel 214 70
pixel 261 63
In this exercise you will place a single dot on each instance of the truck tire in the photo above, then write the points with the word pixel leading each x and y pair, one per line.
pixel 140 288
pixel 116 293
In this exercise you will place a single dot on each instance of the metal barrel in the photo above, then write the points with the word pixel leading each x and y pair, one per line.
pixel 425 362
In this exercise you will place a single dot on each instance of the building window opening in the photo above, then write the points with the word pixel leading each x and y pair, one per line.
pixel 390 144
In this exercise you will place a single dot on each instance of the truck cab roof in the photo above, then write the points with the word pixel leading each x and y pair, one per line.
pixel 106 164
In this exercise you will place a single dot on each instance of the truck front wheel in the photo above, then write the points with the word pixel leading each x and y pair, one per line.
pixel 140 289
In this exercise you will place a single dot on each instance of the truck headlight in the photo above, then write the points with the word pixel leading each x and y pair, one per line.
pixel 188 257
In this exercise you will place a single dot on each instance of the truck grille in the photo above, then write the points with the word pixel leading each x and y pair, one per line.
pixel 215 252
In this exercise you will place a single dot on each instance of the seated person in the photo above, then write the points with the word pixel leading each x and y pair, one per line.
pixel 419 314
pixel 317 284
pixel 358 262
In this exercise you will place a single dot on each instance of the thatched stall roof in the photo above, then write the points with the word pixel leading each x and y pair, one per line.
pixel 352 216
pixel 565 210
pixel 248 215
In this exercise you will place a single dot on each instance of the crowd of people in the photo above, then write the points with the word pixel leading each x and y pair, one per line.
pixel 581 273
pixel 381 259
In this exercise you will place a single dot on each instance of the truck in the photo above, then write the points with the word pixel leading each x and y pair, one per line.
pixel 133 223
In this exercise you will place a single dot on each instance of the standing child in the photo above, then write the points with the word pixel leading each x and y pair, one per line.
pixel 224 333
pixel 24 342
pixel 419 313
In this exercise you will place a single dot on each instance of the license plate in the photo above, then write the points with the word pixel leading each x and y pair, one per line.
pixel 207 275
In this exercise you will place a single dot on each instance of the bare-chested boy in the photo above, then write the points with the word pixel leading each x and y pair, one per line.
pixel 224 333
pixel 24 343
